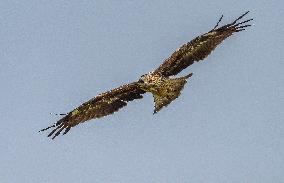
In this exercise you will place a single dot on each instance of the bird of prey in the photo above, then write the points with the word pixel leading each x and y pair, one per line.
pixel 159 82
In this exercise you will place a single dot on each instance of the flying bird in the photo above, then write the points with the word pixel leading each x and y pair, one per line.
pixel 159 82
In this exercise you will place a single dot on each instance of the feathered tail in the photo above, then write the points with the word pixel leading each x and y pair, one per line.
pixel 169 91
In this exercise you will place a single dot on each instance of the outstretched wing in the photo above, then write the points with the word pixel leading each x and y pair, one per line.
pixel 200 47
pixel 99 106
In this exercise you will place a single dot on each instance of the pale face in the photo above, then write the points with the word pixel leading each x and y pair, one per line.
pixel 151 79
pixel 149 82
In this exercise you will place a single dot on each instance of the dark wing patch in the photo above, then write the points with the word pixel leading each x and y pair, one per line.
pixel 102 105
pixel 200 47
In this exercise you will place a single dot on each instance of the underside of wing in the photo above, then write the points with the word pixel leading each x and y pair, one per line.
pixel 200 47
pixel 102 105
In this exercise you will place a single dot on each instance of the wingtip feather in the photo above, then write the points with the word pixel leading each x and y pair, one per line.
pixel 59 126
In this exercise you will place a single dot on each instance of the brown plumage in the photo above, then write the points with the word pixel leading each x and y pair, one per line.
pixel 99 106
pixel 164 88
pixel 200 47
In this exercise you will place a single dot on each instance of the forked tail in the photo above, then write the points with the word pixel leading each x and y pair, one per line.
pixel 169 91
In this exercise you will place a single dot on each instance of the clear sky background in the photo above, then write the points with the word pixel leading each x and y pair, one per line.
pixel 227 126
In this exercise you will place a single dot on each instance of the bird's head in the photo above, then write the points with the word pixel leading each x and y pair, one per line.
pixel 150 78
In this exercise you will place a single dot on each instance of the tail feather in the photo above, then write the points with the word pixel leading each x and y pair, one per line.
pixel 169 91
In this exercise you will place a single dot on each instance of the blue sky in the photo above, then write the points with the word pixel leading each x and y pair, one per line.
pixel 227 126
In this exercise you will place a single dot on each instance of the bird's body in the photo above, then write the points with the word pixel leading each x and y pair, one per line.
pixel 159 82
pixel 164 89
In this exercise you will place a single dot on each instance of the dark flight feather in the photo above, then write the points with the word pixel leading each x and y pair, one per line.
pixel 200 47
pixel 99 106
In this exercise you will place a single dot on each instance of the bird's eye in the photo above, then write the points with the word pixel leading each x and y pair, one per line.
pixel 141 81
